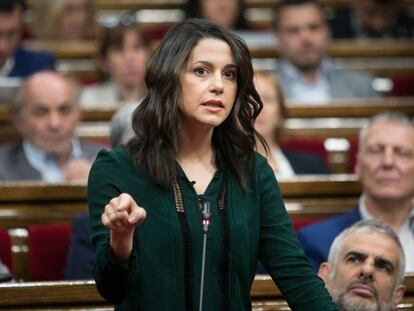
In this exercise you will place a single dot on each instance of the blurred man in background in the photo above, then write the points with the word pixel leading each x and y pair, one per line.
pixel 16 61
pixel 365 268
pixel 306 73
pixel 372 19
pixel 46 114
pixel 385 167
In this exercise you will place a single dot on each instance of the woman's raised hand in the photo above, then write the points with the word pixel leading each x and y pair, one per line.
pixel 121 215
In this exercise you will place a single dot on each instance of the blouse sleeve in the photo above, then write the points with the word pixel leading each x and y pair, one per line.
pixel 281 253
pixel 113 279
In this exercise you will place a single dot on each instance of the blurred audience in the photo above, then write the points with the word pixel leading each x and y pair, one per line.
pixel 306 73
pixel 372 19
pixel 121 125
pixel 269 124
pixel 229 13
pixel 123 56
pixel 64 20
pixel 46 114
pixel 16 61
pixel 365 268
pixel 385 167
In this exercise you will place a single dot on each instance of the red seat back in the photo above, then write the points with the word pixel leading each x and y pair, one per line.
pixel 300 223
pixel 48 247
pixel 5 249
pixel 308 145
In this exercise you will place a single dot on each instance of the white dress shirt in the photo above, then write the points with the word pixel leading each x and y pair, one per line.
pixel 7 67
pixel 405 234
pixel 48 168
pixel 303 91
pixel 284 169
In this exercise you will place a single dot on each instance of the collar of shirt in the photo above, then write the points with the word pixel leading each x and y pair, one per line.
pixel 405 234
pixel 300 90
pixel 292 73
pixel 284 169
pixel 7 67
pixel 366 215
pixel 48 168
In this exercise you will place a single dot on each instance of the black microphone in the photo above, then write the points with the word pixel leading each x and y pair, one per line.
pixel 205 215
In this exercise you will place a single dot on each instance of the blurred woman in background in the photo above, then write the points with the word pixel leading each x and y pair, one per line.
pixel 269 124
pixel 66 20
pixel 123 53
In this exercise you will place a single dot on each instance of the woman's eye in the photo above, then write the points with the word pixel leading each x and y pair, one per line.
pixel 230 74
pixel 200 71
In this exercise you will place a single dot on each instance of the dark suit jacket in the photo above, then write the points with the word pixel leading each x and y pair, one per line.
pixel 27 62
pixel 342 26
pixel 15 166
pixel 81 256
pixel 316 239
pixel 306 163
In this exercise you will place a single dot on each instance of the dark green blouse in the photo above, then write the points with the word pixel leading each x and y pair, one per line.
pixel 258 227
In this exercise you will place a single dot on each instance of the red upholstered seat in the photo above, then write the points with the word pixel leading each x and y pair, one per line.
pixel 308 145
pixel 5 249
pixel 48 247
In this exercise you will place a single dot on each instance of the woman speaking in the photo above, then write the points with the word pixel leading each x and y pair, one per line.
pixel 191 172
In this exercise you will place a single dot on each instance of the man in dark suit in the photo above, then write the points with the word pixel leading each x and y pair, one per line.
pixel 372 19
pixel 385 166
pixel 16 61
pixel 46 114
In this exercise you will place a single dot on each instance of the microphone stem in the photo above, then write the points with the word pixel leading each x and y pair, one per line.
pixel 203 266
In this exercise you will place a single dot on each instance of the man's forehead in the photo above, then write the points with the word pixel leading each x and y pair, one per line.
pixel 371 244
pixel 310 13
pixel 389 131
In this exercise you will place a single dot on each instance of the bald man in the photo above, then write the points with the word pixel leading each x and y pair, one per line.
pixel 46 115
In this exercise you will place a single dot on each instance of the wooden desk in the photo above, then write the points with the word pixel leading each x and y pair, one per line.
pixel 178 4
pixel 339 48
pixel 82 295
pixel 28 203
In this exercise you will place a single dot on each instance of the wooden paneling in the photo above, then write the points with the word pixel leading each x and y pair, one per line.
pixel 178 4
pixel 82 295
pixel 339 48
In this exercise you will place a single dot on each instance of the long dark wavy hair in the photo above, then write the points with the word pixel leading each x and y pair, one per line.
pixel 156 120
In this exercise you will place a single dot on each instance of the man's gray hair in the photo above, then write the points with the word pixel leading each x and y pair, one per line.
pixel 365 226
pixel 394 117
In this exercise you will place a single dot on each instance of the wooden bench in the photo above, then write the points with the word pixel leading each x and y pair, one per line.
pixel 82 295
pixel 307 198
pixel 338 49
pixel 178 4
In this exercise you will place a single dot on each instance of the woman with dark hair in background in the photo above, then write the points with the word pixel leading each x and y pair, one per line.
pixel 193 148
pixel 269 124
pixel 123 54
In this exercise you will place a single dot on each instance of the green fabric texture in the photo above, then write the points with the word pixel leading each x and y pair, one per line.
pixel 154 278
